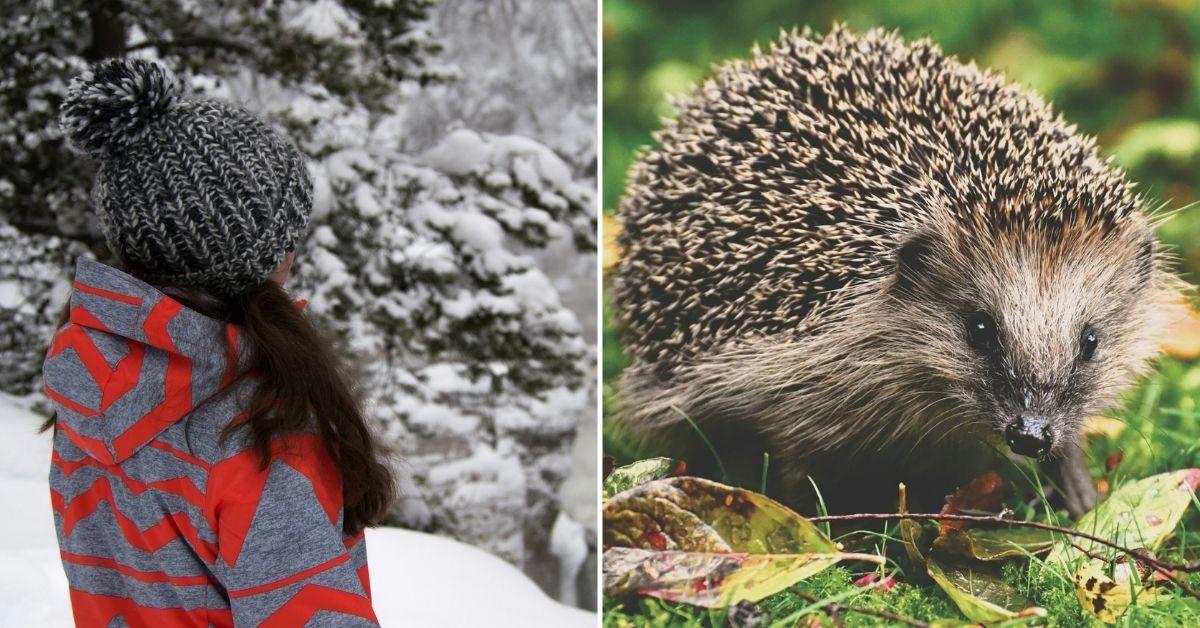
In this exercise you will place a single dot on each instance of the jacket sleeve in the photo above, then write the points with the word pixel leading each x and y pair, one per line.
pixel 281 555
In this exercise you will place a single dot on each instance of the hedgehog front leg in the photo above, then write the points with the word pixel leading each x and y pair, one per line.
pixel 1071 475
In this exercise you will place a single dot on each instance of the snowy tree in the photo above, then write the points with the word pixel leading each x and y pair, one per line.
pixel 355 52
pixel 472 361
pixel 423 259
pixel 528 68
pixel 33 289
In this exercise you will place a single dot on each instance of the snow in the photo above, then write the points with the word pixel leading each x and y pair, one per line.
pixel 417 579
pixel 461 152
pixel 322 195
pixel 451 247
pixel 345 165
pixel 10 295
pixel 442 420
pixel 474 587
pixel 479 231
pixel 368 205
pixel 527 68
pixel 325 20
pixel 568 544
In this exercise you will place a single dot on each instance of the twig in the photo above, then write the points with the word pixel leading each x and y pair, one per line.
pixel 833 609
pixel 1163 567
pixel 895 516
pixel 191 42
pixel 1091 555
pixel 1178 582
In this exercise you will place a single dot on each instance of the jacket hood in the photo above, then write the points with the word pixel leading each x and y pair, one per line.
pixel 131 361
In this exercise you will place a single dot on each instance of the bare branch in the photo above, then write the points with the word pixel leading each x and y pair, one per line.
pixel 191 42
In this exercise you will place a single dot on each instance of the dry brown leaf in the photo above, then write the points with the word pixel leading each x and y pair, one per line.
pixel 984 493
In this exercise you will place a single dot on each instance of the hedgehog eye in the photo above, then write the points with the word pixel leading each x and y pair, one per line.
pixel 1088 339
pixel 982 334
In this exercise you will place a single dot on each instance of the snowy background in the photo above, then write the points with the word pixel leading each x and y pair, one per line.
pixel 33 587
pixel 452 253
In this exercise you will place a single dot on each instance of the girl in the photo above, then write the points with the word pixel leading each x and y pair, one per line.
pixel 210 466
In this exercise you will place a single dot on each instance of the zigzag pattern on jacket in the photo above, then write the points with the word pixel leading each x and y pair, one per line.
pixel 161 522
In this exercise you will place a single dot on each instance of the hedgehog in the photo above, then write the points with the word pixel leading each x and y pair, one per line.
pixel 879 264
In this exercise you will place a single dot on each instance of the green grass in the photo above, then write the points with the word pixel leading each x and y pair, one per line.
pixel 1161 418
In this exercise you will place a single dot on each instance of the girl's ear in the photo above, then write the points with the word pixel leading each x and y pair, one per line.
pixel 281 273
pixel 914 258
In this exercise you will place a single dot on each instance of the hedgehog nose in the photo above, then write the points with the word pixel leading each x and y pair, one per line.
pixel 1029 435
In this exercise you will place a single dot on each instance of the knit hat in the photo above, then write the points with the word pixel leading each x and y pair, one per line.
pixel 194 192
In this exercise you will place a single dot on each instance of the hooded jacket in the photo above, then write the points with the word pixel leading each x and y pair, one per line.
pixel 160 520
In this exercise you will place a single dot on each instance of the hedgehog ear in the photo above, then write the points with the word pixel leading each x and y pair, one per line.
pixel 914 257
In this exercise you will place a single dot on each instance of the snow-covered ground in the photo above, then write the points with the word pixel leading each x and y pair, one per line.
pixel 416 579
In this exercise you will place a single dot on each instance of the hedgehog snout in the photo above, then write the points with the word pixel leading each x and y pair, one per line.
pixel 1029 435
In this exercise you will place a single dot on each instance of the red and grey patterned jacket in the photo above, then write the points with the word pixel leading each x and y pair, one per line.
pixel 161 522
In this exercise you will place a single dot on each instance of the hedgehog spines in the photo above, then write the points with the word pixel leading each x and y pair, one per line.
pixel 787 177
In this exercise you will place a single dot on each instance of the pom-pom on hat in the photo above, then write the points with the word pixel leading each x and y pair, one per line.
pixel 191 192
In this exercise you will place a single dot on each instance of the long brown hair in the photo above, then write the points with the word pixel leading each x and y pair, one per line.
pixel 302 382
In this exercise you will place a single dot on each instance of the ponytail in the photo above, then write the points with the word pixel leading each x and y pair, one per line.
pixel 303 382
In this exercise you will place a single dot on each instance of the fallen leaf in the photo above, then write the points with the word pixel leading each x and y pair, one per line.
pixel 711 580
pixel 1019 620
pixel 992 545
pixel 1142 513
pixel 640 472
pixel 611 249
pixel 980 593
pixel 709 544
pixel 874 580
pixel 984 493
pixel 1107 597
pixel 1032 618
pixel 688 509
pixel 1123 569
pixel 1103 426
pixel 918 535
pixel 1182 338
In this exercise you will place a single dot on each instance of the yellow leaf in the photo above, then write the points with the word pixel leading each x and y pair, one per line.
pixel 711 579
pixel 1104 426
pixel 692 540
pixel 1105 597
pixel 611 250
pixel 1182 339
pixel 980 593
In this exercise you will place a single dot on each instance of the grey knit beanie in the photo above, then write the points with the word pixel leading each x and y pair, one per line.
pixel 193 192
